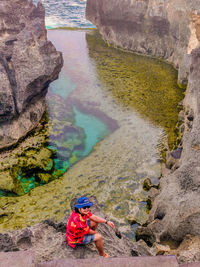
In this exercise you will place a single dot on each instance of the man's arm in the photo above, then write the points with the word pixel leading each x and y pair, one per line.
pixel 98 219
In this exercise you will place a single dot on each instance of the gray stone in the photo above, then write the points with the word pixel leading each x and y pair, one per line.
pixel 28 63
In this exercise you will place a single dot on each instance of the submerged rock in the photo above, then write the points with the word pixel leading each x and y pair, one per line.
pixel 28 63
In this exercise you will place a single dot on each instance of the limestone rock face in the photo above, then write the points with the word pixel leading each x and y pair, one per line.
pixel 155 27
pixel 28 63
pixel 169 29
pixel 179 199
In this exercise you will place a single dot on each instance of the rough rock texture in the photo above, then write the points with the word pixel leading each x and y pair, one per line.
pixel 176 210
pixel 47 240
pixel 28 63
pixel 171 30
pixel 161 28
pixel 189 250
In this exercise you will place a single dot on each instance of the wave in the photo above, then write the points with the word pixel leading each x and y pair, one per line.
pixel 65 13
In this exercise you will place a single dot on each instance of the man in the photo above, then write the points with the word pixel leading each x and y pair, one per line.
pixel 82 225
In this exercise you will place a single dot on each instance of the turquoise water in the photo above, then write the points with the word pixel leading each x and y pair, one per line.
pixel 78 139
pixel 63 86
pixel 95 130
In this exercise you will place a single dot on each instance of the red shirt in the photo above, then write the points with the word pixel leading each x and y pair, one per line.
pixel 77 228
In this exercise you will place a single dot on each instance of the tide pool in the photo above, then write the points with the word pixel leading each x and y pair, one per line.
pixel 122 104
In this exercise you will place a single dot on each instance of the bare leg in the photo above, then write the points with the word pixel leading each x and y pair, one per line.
pixel 99 244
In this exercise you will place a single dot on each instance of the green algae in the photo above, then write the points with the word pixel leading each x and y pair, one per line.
pixel 66 135
pixel 147 85
pixel 113 171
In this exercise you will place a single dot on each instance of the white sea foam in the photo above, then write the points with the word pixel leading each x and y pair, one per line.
pixel 65 13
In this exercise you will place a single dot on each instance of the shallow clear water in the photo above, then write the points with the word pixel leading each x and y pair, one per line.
pixel 95 130
pixel 127 101
pixel 65 13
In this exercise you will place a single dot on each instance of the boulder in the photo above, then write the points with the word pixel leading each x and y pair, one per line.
pixel 28 63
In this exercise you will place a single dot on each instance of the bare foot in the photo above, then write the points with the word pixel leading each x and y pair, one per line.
pixel 105 255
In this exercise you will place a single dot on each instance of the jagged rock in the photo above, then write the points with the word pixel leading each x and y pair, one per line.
pixel 161 249
pixel 181 116
pixel 176 154
pixel 180 191
pixel 48 241
pixel 145 234
pixel 147 184
pixel 6 243
pixel 28 63
pixel 170 160
pixel 153 192
pixel 188 250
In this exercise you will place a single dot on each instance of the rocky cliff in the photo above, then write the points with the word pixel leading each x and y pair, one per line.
pixel 160 28
pixel 170 30
pixel 28 63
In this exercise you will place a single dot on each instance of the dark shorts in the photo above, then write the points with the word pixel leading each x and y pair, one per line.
pixel 88 238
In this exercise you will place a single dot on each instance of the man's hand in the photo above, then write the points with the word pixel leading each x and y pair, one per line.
pixel 92 232
pixel 111 224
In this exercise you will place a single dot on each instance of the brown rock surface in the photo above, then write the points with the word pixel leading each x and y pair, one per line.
pixel 28 63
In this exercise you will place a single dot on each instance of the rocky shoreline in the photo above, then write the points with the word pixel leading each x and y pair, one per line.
pixel 170 30
pixel 47 240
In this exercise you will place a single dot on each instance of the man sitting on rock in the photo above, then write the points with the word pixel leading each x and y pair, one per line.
pixel 82 225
